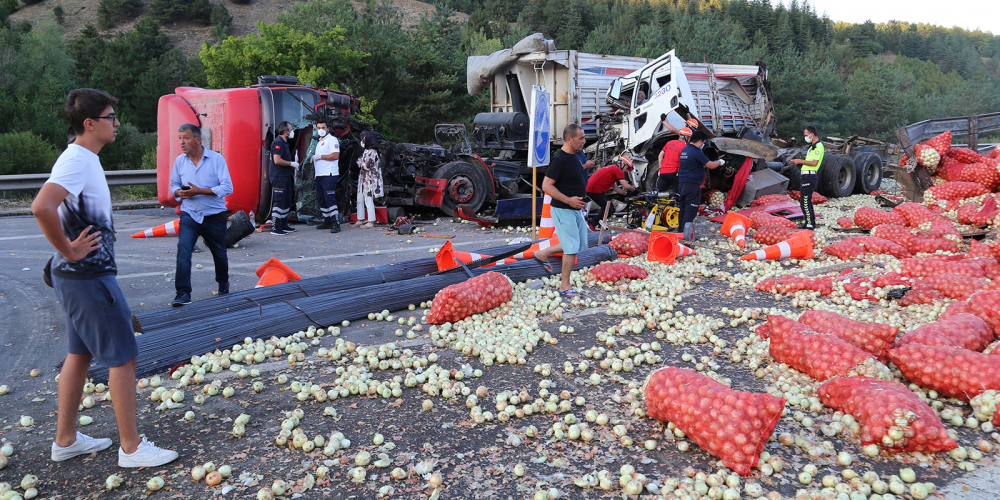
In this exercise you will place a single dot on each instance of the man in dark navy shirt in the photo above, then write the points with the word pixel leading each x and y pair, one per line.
pixel 282 174
pixel 690 176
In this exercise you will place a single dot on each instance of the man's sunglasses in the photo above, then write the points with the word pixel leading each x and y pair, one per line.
pixel 112 116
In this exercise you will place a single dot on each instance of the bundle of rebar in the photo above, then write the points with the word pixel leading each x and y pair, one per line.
pixel 175 341
pixel 306 287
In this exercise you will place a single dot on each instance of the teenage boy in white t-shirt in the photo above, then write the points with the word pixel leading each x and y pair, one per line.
pixel 326 161
pixel 73 209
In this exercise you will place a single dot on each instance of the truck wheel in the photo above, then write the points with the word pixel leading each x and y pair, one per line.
pixel 465 186
pixel 238 226
pixel 869 173
pixel 837 176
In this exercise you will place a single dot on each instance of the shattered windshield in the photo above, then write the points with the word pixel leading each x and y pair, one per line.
pixel 287 107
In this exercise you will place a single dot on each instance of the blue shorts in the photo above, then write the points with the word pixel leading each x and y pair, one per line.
pixel 98 319
pixel 571 230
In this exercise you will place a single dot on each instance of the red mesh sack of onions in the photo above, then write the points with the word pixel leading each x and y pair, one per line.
pixel 986 305
pixel 893 232
pixel 729 424
pixel 923 267
pixel 611 272
pixel 953 286
pixel 957 307
pixel 868 218
pixel 890 414
pixel 889 279
pixel 966 155
pixel 772 235
pixel 983 174
pixel 630 244
pixel 845 249
pixel 957 190
pixel 976 214
pixel 914 213
pixel 961 330
pixel 991 268
pixel 941 142
pixel 768 199
pixel 761 219
pixel 873 338
pixel 788 285
pixel 938 227
pixel 919 296
pixel 927 156
pixel 953 372
pixel 845 222
pixel 873 244
pixel 859 292
pixel 931 245
pixel 818 355
pixel 816 197
pixel 995 249
pixel 950 169
pixel 977 250
pixel 472 296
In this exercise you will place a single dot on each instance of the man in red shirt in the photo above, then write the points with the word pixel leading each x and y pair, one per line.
pixel 605 179
pixel 670 161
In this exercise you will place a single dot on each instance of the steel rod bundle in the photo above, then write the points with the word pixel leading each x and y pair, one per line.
pixel 308 287
pixel 165 347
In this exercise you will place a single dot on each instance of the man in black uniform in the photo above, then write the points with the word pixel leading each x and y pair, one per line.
pixel 282 176
pixel 691 175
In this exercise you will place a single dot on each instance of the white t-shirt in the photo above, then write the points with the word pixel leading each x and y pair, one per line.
pixel 327 145
pixel 78 170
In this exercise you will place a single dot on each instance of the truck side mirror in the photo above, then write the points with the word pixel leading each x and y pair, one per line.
pixel 616 90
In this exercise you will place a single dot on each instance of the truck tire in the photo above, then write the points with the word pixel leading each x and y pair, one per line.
pixel 465 186
pixel 837 176
pixel 394 213
pixel 869 173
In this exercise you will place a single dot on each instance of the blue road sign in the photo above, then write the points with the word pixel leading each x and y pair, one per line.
pixel 540 139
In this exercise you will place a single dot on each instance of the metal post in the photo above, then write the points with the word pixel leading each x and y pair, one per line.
pixel 534 203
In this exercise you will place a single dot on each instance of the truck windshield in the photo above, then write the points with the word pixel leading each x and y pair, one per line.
pixel 287 107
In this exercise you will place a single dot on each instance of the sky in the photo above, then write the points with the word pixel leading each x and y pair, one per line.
pixel 968 14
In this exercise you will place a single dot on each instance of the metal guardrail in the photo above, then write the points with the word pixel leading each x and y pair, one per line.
pixel 114 177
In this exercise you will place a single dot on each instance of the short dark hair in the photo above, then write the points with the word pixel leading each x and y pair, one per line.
pixel 284 127
pixel 570 131
pixel 195 130
pixel 696 136
pixel 85 103
pixel 811 129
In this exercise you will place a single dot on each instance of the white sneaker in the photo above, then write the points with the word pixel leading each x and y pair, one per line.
pixel 146 455
pixel 84 445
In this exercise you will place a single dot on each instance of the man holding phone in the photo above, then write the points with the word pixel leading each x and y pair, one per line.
pixel 200 181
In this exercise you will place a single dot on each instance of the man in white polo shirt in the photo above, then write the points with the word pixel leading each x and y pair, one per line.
pixel 326 161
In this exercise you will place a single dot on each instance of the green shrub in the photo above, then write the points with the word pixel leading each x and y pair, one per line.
pixel 60 14
pixel 128 150
pixel 7 7
pixel 196 11
pixel 241 2
pixel 26 153
pixel 111 12
pixel 30 2
pixel 220 16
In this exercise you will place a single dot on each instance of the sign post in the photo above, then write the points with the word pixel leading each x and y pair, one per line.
pixel 539 142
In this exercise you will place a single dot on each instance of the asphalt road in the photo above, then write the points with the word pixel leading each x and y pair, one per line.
pixel 31 335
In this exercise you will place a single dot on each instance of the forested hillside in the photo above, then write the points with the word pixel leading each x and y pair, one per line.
pixel 845 78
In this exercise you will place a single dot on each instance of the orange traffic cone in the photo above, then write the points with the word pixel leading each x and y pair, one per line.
pixel 275 272
pixel 665 247
pixel 168 229
pixel 799 246
pixel 447 254
pixel 735 226
pixel 546 226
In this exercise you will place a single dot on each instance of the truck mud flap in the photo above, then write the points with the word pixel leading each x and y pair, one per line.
pixel 430 192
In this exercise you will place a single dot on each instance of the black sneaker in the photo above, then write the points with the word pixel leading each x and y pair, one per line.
pixel 325 225
pixel 335 228
pixel 277 231
pixel 182 299
pixel 806 226
pixel 224 288
pixel 287 227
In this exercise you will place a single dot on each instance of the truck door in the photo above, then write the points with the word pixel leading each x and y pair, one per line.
pixel 656 83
